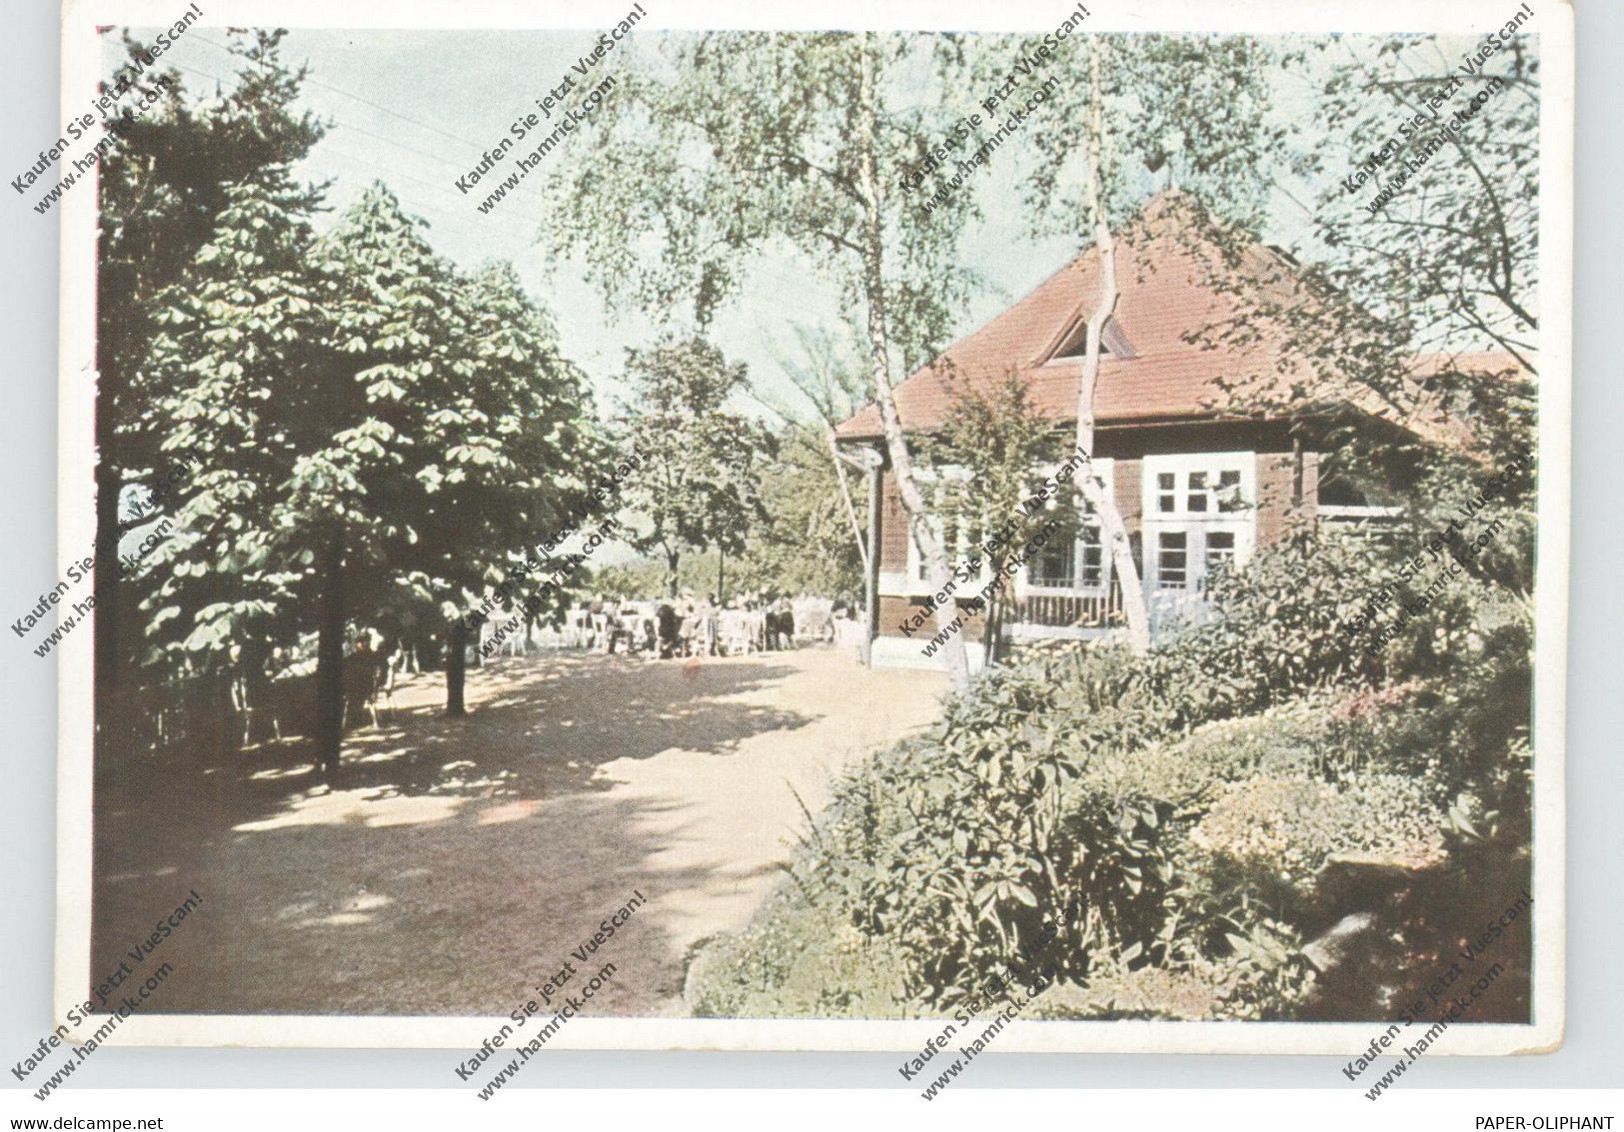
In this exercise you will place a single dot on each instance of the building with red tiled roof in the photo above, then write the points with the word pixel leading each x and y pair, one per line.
pixel 1201 476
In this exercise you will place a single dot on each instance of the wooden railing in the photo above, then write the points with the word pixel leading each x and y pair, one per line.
pixel 1071 611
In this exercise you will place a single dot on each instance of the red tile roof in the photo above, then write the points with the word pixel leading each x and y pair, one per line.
pixel 1164 270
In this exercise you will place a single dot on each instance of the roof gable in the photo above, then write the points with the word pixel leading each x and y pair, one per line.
pixel 1149 368
pixel 1072 341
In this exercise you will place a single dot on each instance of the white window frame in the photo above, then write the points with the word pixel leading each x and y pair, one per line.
pixel 1196 525
pixel 1104 468
pixel 1153 557
pixel 910 582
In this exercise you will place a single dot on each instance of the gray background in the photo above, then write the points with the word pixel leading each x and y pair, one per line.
pixel 1594 1049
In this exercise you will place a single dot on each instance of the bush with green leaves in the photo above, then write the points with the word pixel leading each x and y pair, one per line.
pixel 797 958
pixel 1165 816
pixel 1287 829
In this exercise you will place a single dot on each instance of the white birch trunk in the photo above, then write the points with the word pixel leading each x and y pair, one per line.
pixel 1104 504
pixel 913 501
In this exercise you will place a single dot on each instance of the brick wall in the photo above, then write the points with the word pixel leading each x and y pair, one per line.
pixel 895 610
pixel 1276 491
pixel 893 526
pixel 1127 476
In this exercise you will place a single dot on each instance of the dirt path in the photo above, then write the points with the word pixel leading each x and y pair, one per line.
pixel 456 862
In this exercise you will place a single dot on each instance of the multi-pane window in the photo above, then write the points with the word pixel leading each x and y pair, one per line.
pixel 1070 563
pixel 1092 574
pixel 1076 562
pixel 1198 516
pixel 1172 560
pixel 1199 492
pixel 1055 565
pixel 1220 556
pixel 1196 500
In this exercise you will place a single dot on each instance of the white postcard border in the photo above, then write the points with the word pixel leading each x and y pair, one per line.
pixel 80 71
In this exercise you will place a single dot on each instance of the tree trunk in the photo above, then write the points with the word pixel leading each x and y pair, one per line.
pixel 330 657
pixel 871 577
pixel 456 668
pixel 992 614
pixel 845 494
pixel 672 557
pixel 1093 489
pixel 913 501
pixel 256 684
pixel 224 713
pixel 110 598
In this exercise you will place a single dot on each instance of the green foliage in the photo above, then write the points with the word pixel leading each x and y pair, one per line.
pixel 805 542
pixel 184 174
pixel 1409 374
pixel 1169 816
pixel 1285 829
pixel 232 332
pixel 1186 772
pixel 1251 976
pixel 1004 451
pixel 647 577
pixel 507 454
pixel 370 422
pixel 1478 213
pixel 796 959
pixel 809 541
pixel 698 485
pixel 164 192
pixel 755 140
pixel 798 152
pixel 1157 91
pixel 1278 632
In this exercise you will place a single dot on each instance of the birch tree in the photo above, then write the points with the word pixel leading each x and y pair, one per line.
pixel 829 380
pixel 1132 105
pixel 1419 264
pixel 719 145
pixel 1454 252
pixel 813 540
pixel 1416 281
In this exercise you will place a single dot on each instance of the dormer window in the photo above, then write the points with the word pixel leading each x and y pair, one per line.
pixel 1112 342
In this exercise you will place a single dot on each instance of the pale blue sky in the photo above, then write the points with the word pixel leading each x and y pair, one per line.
pixel 415 109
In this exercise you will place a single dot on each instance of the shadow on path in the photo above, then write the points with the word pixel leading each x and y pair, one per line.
pixel 446 863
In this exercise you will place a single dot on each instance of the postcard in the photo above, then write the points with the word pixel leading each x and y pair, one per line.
pixel 942 530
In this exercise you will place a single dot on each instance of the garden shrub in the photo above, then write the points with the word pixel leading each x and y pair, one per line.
pixel 1288 828
pixel 1185 771
pixel 795 959
pixel 1163 815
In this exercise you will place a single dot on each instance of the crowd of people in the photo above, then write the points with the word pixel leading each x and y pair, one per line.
pixel 699 625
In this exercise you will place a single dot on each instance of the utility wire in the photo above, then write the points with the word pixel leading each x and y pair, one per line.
pixel 459 139
pixel 388 141
pixel 327 147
